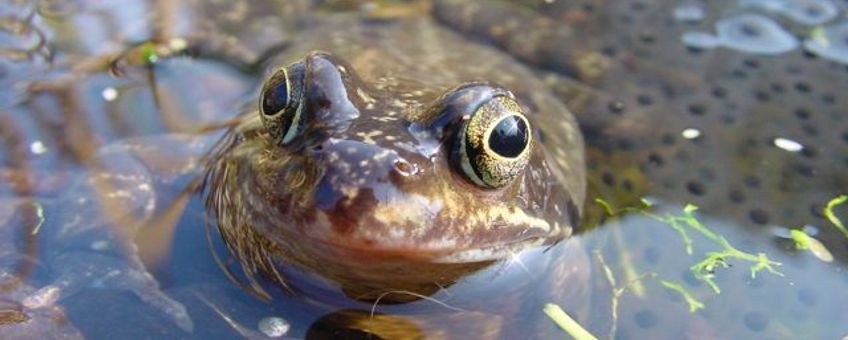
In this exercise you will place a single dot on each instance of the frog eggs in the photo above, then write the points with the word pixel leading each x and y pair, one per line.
pixel 751 33
pixel 804 12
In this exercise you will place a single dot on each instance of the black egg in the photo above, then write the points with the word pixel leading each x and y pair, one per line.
pixel 275 98
pixel 509 138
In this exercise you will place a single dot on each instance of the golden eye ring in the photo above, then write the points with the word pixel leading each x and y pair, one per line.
pixel 495 143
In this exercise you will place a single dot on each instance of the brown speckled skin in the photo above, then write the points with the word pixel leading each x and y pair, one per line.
pixel 337 203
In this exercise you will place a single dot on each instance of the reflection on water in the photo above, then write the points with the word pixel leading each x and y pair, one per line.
pixel 756 137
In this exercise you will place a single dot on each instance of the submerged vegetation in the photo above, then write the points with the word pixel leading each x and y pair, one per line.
pixel 694 304
pixel 807 242
pixel 635 285
pixel 828 212
pixel 804 241
pixel 564 321
pixel 686 222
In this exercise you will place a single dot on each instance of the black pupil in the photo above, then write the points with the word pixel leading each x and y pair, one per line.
pixel 509 137
pixel 276 98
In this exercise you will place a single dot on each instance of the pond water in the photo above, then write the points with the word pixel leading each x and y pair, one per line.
pixel 738 108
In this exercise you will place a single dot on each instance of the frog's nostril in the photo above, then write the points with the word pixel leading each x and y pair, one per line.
pixel 404 168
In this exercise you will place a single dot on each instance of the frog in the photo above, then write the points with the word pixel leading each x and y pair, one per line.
pixel 538 194
pixel 371 173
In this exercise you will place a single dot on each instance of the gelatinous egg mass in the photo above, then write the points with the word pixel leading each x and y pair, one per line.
pixel 805 12
pixel 752 33
pixel 810 12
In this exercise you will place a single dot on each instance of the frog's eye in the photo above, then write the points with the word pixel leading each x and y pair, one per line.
pixel 280 103
pixel 494 145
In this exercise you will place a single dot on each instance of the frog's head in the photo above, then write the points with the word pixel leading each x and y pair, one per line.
pixel 340 176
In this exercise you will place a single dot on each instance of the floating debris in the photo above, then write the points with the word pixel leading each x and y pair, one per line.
pixel 829 42
pixel 805 12
pixel 751 33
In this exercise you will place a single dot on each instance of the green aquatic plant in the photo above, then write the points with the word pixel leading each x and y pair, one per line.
pixel 807 242
pixel 705 269
pixel 628 268
pixel 632 286
pixel 694 304
pixel 828 213
pixel 149 53
pixel 568 324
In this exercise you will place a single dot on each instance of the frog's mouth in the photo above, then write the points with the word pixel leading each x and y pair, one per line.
pixel 435 240
pixel 493 252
